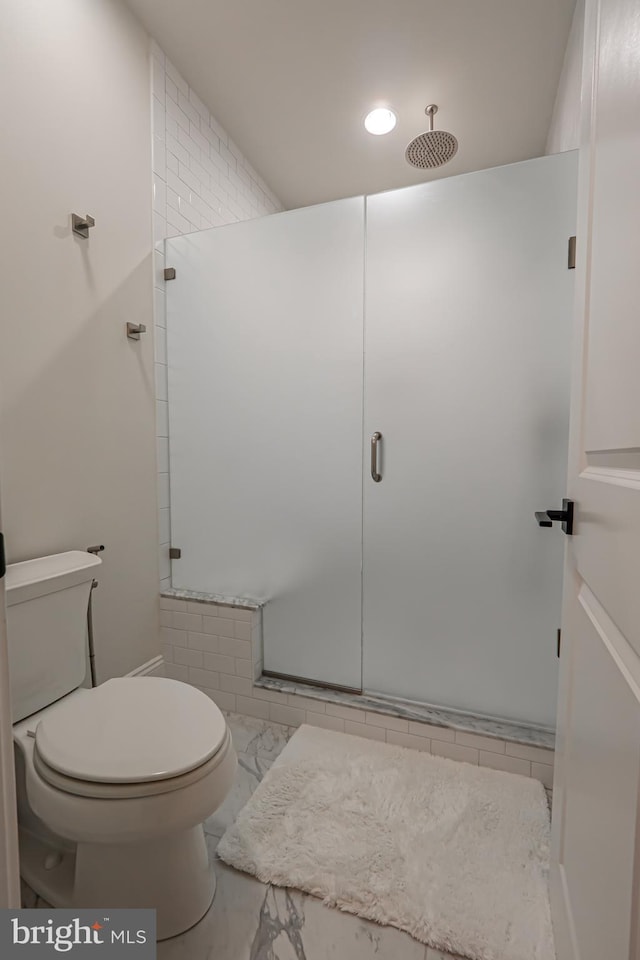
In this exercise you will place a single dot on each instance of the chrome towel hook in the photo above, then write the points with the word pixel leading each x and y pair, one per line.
pixel 81 225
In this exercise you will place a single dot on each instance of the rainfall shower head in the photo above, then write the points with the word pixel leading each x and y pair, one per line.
pixel 433 148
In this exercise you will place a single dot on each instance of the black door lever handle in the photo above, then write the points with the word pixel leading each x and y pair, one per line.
pixel 543 518
pixel 546 518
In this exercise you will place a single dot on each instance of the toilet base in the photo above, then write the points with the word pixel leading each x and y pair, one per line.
pixel 171 875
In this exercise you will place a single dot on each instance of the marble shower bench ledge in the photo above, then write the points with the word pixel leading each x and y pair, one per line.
pixel 241 603
pixel 528 734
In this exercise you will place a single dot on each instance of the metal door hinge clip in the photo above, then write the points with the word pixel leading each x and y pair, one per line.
pixel 571 256
pixel 175 553
pixel 169 273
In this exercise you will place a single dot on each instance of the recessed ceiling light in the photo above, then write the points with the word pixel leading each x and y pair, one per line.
pixel 379 121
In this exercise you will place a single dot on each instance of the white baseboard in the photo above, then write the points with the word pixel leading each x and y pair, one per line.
pixel 152 668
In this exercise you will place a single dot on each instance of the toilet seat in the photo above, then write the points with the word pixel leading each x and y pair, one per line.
pixel 131 737
pixel 99 812
pixel 98 790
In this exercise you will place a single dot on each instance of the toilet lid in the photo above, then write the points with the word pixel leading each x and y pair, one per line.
pixel 132 730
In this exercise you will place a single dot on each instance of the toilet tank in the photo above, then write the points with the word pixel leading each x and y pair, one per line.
pixel 47 602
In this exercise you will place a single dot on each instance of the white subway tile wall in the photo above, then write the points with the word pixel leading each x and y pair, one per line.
pixel 219 650
pixel 200 180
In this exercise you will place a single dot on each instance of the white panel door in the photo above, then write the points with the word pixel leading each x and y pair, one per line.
pixel 596 809
pixel 265 400
pixel 468 317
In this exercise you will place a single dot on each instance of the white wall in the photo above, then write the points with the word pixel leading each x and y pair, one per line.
pixel 200 180
pixel 564 131
pixel 77 447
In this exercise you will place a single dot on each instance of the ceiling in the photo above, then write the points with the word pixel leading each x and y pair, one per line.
pixel 291 81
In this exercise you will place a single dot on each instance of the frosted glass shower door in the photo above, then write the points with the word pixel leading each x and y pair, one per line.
pixel 467 379
pixel 265 332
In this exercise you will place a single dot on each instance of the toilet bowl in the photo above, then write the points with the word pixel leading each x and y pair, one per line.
pixel 113 782
pixel 121 778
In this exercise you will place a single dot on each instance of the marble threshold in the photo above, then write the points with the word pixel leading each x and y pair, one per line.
pixel 529 734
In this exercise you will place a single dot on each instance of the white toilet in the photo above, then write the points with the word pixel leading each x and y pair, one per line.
pixel 114 782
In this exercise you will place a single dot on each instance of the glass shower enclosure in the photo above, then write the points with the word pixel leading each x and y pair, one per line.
pixel 368 401
pixel 264 324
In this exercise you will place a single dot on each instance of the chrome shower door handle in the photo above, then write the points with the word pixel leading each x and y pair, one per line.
pixel 375 439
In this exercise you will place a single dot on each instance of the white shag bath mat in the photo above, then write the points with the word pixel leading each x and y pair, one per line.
pixel 454 854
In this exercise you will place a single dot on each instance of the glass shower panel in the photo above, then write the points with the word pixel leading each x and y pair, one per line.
pixel 265 332
pixel 467 379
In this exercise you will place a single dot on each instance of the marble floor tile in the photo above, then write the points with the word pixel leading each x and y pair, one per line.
pixel 438 955
pixel 225 931
pixel 258 738
pixel 250 920
pixel 250 772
